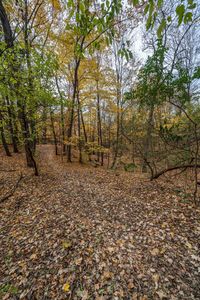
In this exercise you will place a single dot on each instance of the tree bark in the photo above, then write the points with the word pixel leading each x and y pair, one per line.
pixel 99 127
pixel 11 126
pixel 61 115
pixel 79 128
pixel 5 145
pixel 157 175
pixel 116 152
pixel 147 142
pixel 8 36
pixel 54 132
pixel 69 132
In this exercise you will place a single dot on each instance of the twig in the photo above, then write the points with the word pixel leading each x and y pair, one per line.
pixel 175 168
pixel 3 170
pixel 13 190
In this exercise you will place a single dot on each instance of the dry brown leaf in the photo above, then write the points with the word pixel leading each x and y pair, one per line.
pixel 155 251
pixel 156 279
pixel 33 256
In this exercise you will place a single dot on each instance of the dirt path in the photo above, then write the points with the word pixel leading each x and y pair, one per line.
pixel 96 234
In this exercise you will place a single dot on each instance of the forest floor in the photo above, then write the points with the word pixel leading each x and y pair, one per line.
pixel 79 232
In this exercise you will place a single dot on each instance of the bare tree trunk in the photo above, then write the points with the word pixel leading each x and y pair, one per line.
pixel 109 142
pixel 84 131
pixel 5 145
pixel 196 164
pixel 116 152
pixel 83 124
pixel 11 126
pixel 26 137
pixel 99 127
pixel 54 132
pixel 44 127
pixel 79 128
pixel 147 142
pixel 69 133
pixel 62 125
pixel 61 115
pixel 8 36
pixel 32 144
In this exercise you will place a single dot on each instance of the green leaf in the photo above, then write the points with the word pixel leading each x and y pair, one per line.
pixel 77 17
pixel 180 10
pixel 135 2
pixel 196 74
pixel 146 9
pixel 169 19
pixel 149 22
pixel 151 8
pixel 191 4
pixel 160 3
pixel 188 17
pixel 82 7
pixel 161 28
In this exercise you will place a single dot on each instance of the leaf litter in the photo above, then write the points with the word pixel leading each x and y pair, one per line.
pixel 78 232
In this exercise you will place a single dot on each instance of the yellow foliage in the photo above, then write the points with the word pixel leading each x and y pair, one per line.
pixel 66 287
pixel 66 244
pixel 56 4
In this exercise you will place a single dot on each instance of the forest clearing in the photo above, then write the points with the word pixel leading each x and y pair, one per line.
pixel 99 149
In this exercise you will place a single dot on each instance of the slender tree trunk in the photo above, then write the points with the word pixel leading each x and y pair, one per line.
pixel 61 116
pixel 116 152
pixel 11 126
pixel 79 128
pixel 5 145
pixel 83 124
pixel 8 36
pixel 147 143
pixel 44 127
pixel 54 132
pixel 109 143
pixel 84 132
pixel 30 76
pixel 33 135
pixel 26 137
pixel 196 163
pixel 62 125
pixel 99 127
pixel 69 132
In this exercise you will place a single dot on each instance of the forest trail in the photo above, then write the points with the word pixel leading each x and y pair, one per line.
pixel 78 232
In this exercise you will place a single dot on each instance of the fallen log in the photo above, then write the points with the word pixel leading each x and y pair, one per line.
pixel 155 176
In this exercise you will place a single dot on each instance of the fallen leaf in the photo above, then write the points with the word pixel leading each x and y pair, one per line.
pixel 110 249
pixel 156 279
pixel 107 275
pixel 131 285
pixel 66 287
pixel 155 251
pixel 188 245
pixel 33 256
pixel 161 294
pixel 134 296
pixel 78 261
pixel 66 244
